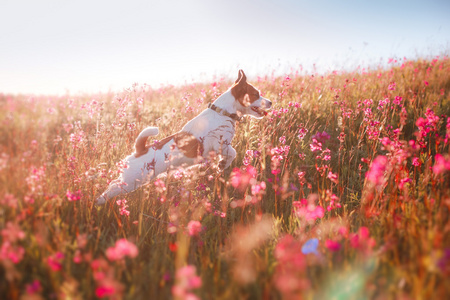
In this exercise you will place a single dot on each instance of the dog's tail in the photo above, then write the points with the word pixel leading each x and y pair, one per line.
pixel 142 139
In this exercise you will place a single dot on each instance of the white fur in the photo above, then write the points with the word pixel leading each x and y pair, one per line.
pixel 215 130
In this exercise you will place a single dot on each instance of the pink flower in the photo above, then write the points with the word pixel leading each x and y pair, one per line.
pixel 160 186
pixel 362 240
pixel 109 287
pixel 123 207
pixel 290 276
pixel 398 100
pixel 441 164
pixel 315 146
pixel 333 245
pixel 403 182
pixel 194 227
pixel 301 177
pixel 382 103
pixel 302 132
pixel 343 231
pixel 34 287
pixel 321 137
pixel 55 261
pixel 308 210
pixel 375 174
pixel 186 281
pixel 75 196
pixel 10 252
pixel 333 177
pixel 416 161
pixel 122 249
pixel 105 291
pixel 240 178
pixel 12 232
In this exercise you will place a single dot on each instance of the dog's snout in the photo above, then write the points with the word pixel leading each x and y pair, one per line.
pixel 267 103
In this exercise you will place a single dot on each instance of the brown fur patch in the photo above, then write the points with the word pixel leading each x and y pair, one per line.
pixel 140 147
pixel 186 142
pixel 244 92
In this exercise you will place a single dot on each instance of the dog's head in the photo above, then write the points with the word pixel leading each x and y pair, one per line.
pixel 248 98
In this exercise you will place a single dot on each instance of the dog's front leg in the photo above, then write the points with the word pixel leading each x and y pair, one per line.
pixel 115 188
pixel 229 154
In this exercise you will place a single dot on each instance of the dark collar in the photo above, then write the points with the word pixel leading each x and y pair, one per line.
pixel 225 113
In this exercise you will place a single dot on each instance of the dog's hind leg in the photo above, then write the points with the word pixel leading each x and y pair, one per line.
pixel 115 188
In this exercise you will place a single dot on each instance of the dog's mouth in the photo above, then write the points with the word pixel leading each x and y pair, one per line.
pixel 259 110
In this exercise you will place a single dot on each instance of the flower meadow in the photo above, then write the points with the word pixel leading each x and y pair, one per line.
pixel 341 192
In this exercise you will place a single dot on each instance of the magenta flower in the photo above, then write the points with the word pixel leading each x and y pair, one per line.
pixel 105 291
pixel 362 240
pixel 321 137
pixel 375 174
pixel 34 287
pixel 55 261
pixel 122 249
pixel 332 245
pixel 315 146
pixel 416 162
pixel 186 281
pixel 194 228
pixel 12 232
pixel 308 211
pixel 333 177
pixel 290 274
pixel 302 132
pixel 403 182
pixel 441 164
pixel 75 196
pixel 240 178
pixel 122 203
pixel 8 251
pixel 397 100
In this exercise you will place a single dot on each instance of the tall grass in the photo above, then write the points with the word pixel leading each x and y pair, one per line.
pixel 341 192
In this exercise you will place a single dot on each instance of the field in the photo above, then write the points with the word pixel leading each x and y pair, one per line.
pixel 340 192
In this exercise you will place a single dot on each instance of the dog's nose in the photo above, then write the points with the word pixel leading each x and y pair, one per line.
pixel 268 103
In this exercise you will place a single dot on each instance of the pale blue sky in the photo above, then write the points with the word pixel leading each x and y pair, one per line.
pixel 54 46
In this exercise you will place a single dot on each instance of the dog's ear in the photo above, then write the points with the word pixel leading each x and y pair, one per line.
pixel 239 90
pixel 241 77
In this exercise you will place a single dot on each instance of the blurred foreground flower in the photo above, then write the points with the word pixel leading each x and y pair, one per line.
pixel 441 164
pixel 186 281
pixel 375 174
pixel 307 209
pixel 362 241
pixel 121 249
pixel 194 227
pixel 55 261
pixel 75 196
pixel 310 246
pixel 290 276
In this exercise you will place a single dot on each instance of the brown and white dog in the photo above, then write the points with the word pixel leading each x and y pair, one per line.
pixel 212 130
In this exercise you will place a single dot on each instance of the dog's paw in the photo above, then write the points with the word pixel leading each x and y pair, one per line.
pixel 100 200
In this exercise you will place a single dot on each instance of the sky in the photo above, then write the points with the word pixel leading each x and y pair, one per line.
pixel 60 47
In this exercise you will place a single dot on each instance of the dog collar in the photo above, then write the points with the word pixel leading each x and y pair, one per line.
pixel 225 113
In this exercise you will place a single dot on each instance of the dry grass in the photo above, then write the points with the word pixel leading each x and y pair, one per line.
pixel 363 216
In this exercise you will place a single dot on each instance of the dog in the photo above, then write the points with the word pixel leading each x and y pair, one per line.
pixel 212 130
